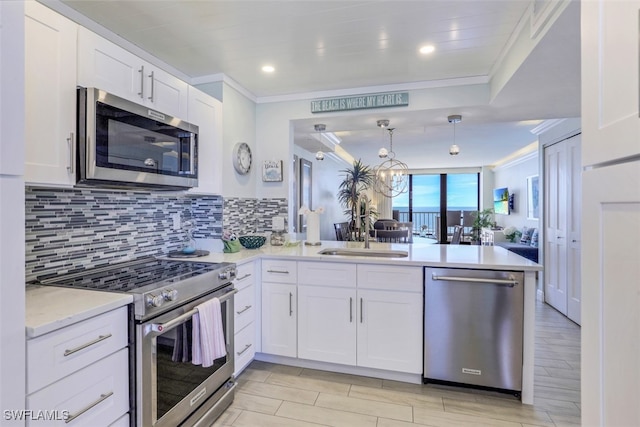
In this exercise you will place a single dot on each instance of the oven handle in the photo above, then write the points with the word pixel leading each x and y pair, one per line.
pixel 159 327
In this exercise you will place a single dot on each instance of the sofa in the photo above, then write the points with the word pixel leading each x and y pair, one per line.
pixel 526 247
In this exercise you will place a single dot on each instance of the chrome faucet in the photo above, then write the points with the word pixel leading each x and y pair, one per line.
pixel 367 213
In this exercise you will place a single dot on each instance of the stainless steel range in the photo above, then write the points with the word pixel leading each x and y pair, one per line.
pixel 169 389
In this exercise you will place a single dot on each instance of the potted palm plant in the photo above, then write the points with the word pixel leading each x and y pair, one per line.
pixel 483 219
pixel 357 180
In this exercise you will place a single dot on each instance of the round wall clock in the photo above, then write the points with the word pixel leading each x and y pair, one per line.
pixel 242 158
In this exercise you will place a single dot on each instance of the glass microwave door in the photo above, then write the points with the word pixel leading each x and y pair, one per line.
pixel 132 142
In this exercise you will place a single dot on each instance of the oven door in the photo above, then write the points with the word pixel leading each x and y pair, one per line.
pixel 169 386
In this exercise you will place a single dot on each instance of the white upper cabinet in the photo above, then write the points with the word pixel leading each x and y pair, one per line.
pixel 50 96
pixel 107 66
pixel 610 103
pixel 206 112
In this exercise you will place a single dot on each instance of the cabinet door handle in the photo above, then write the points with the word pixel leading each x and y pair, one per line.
pixel 141 71
pixel 89 344
pixel 290 304
pixel 246 307
pixel 278 271
pixel 360 310
pixel 243 277
pixel 72 153
pixel 152 86
pixel 246 347
pixel 350 309
pixel 91 405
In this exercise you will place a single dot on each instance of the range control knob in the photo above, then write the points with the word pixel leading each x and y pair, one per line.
pixel 154 300
pixel 224 275
pixel 170 294
pixel 233 273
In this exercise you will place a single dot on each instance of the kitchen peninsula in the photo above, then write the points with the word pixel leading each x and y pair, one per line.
pixel 307 271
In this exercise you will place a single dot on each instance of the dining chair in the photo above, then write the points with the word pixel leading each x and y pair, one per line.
pixel 342 231
pixel 457 233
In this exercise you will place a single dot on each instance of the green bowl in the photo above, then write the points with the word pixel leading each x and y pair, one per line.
pixel 252 242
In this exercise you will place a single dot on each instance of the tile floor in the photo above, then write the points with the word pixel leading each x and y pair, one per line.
pixel 270 395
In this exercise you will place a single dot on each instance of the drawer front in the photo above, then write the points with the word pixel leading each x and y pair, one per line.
pixel 123 421
pixel 390 278
pixel 327 274
pixel 244 306
pixel 245 348
pixel 95 396
pixel 279 271
pixel 245 276
pixel 64 351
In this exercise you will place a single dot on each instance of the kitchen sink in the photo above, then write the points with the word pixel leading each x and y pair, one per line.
pixel 364 252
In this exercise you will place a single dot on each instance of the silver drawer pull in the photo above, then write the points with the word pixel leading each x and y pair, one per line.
pixel 243 277
pixel 82 411
pixel 90 343
pixel 246 347
pixel 246 307
pixel 278 271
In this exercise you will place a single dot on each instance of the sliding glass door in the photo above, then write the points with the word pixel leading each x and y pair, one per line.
pixel 433 198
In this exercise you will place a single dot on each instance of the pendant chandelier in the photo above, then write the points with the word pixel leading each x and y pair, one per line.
pixel 454 149
pixel 391 177
pixel 320 127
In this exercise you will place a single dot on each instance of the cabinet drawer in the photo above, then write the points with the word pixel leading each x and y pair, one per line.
pixel 245 276
pixel 61 352
pixel 123 421
pixel 244 307
pixel 279 271
pixel 245 349
pixel 327 273
pixel 390 277
pixel 97 395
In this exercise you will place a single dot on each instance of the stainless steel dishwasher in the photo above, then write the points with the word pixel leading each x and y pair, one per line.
pixel 473 327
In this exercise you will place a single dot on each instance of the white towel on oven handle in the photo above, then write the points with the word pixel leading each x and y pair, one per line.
pixel 208 334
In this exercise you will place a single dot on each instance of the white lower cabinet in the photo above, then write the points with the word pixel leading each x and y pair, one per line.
pixel 390 330
pixel 360 315
pixel 244 339
pixel 327 324
pixel 80 373
pixel 279 319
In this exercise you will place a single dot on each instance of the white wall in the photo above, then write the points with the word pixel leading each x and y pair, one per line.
pixel 12 242
pixel 514 176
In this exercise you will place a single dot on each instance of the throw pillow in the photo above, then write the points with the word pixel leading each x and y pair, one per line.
pixel 525 239
pixel 534 238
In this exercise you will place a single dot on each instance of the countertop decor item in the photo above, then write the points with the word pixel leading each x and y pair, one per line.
pixel 252 241
pixel 231 242
pixel 313 224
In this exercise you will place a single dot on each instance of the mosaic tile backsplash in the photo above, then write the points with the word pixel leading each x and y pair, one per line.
pixel 73 229
pixel 248 216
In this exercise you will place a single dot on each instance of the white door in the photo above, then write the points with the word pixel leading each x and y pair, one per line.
pixel 50 96
pixel 279 317
pixel 390 330
pixel 611 307
pixel 610 214
pixel 555 254
pixel 327 324
pixel 574 221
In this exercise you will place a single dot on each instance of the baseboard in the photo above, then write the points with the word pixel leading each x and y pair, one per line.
pixel 540 295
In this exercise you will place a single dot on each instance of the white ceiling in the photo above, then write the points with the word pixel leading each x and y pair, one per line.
pixel 320 45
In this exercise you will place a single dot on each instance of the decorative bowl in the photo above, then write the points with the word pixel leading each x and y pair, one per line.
pixel 252 242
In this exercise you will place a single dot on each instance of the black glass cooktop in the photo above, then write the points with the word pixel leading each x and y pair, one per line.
pixel 128 276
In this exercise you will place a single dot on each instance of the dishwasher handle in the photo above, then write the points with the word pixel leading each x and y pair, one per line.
pixel 508 282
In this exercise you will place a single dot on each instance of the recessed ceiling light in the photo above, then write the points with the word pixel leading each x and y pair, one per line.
pixel 427 49
pixel 268 69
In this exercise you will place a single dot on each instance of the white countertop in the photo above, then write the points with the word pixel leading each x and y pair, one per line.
pixel 420 254
pixel 50 307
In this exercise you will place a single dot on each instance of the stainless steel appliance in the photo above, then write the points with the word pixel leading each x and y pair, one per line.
pixel 473 323
pixel 169 390
pixel 124 144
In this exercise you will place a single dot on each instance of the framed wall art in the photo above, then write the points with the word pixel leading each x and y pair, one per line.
pixel 272 171
pixel 533 197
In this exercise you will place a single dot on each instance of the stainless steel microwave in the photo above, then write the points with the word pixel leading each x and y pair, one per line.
pixel 124 144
